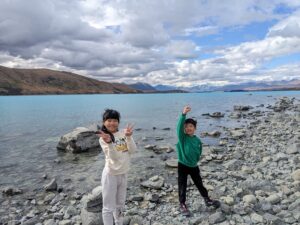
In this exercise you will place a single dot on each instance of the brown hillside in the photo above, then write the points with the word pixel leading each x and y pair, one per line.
pixel 45 81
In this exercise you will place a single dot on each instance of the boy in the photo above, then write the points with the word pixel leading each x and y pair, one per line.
pixel 189 149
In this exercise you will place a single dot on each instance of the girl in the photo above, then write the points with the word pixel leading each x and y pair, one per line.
pixel 117 147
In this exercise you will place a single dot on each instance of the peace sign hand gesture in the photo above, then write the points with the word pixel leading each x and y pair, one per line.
pixel 128 130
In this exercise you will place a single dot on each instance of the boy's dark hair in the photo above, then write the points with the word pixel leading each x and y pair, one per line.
pixel 191 121
pixel 111 114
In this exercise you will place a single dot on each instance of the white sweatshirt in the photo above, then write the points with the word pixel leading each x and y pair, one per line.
pixel 117 154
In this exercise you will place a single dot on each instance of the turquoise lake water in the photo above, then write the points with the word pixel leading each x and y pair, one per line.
pixel 30 127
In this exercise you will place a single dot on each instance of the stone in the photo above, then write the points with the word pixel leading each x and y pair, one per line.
pixel 228 200
pixel 257 218
pixel 10 191
pixel 271 219
pixel 217 217
pixel 136 198
pixel 296 175
pixel 79 140
pixel 216 115
pixel 250 199
pixel 211 134
pixel 293 148
pixel 49 222
pixel 52 186
pixel 173 163
pixel 136 220
pixel 155 182
pixel 242 108
pixel 273 199
pixel 150 147
pixel 65 222
pixel 91 212
pixel 237 133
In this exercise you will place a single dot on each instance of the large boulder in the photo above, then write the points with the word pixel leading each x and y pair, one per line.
pixel 91 212
pixel 79 140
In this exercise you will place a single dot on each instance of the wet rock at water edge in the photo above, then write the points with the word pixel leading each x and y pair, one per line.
pixel 79 140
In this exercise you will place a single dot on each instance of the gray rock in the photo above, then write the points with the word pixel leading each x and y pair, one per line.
pixel 155 182
pixel 242 108
pixel 173 163
pixel 235 115
pixel 211 134
pixel 271 219
pixel 31 221
pixel 52 186
pixel 237 133
pixel 217 217
pixel 79 140
pixel 249 199
pixel 10 191
pixel 93 201
pixel 216 115
pixel 296 175
pixel 293 148
pixel 90 218
pixel 137 198
pixel 65 222
pixel 150 147
pixel 257 218
pixel 136 220
pixel 50 222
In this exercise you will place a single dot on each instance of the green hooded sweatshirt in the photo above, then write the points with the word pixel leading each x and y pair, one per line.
pixel 189 148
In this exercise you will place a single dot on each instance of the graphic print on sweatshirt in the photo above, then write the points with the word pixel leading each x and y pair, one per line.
pixel 120 145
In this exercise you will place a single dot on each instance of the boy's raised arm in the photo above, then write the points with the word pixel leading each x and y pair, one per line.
pixel 180 125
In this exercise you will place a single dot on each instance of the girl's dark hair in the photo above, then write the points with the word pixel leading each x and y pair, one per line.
pixel 110 114
pixel 191 121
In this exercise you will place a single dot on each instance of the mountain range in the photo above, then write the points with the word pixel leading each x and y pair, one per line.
pixel 248 86
pixel 45 81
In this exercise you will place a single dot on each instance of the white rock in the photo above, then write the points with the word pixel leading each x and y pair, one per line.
pixel 273 199
pixel 249 199
pixel 296 175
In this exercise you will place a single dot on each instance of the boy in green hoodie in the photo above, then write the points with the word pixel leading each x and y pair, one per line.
pixel 189 149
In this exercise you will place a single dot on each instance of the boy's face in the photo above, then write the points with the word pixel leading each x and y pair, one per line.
pixel 189 129
pixel 112 125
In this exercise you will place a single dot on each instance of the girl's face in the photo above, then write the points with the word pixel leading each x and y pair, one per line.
pixel 189 129
pixel 112 125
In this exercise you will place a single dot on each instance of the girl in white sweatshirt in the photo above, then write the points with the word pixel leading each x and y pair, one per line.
pixel 117 147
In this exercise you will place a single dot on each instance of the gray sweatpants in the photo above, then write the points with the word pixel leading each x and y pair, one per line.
pixel 114 196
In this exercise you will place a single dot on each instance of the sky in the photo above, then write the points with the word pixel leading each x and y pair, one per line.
pixel 172 42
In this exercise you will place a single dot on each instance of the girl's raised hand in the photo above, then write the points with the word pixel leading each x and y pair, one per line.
pixel 106 137
pixel 128 130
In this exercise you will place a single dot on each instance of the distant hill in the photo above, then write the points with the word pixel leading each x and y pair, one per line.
pixel 147 88
pixel 142 86
pixel 45 81
pixel 249 86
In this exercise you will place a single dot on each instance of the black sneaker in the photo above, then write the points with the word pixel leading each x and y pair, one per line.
pixel 184 210
pixel 209 202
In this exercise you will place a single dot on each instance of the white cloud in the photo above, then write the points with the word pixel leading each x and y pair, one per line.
pixel 289 27
pixel 181 49
pixel 150 41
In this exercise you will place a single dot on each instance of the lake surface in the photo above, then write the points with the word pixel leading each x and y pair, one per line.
pixel 30 128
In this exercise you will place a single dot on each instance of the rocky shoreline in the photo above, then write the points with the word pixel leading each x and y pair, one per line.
pixel 254 172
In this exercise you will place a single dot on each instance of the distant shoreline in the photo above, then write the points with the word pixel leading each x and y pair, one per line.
pixel 158 92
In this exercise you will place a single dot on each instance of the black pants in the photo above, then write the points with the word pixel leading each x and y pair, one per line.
pixel 194 172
